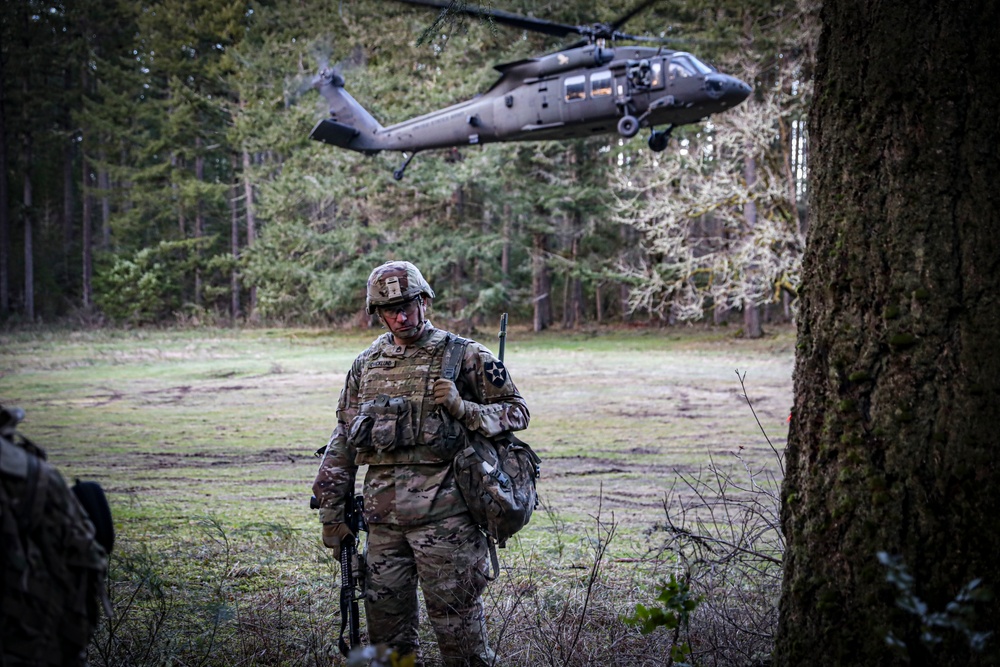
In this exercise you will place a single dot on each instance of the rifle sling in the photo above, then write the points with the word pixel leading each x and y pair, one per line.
pixel 346 592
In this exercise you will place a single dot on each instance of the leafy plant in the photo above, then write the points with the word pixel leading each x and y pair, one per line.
pixel 957 615
pixel 149 285
pixel 674 613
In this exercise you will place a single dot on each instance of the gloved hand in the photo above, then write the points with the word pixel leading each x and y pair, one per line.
pixel 333 533
pixel 446 394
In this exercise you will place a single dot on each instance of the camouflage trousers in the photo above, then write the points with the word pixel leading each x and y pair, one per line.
pixel 449 560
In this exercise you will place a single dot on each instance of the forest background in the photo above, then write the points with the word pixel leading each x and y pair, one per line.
pixel 155 168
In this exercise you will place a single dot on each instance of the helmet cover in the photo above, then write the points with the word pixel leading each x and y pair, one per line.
pixel 393 283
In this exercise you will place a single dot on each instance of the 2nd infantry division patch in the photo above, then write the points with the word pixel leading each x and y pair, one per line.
pixel 496 373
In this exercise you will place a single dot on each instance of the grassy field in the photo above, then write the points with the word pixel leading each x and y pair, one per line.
pixel 204 441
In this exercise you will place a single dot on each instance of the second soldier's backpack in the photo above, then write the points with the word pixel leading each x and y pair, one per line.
pixel 495 476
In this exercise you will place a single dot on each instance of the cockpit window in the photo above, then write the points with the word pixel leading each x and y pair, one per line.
pixel 680 68
pixel 702 67
pixel 576 87
pixel 684 64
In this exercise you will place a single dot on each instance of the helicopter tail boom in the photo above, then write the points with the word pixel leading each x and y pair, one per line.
pixel 349 125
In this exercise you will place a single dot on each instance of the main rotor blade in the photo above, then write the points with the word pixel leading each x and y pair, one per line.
pixel 628 16
pixel 507 18
pixel 645 38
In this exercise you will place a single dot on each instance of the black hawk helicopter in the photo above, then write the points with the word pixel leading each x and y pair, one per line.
pixel 594 86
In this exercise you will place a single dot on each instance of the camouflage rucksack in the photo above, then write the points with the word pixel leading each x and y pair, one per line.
pixel 53 568
pixel 495 476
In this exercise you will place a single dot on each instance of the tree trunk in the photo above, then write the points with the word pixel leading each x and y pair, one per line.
pixel 566 310
pixel 87 211
pixel 177 165
pixel 28 203
pixel 68 212
pixel 505 247
pixel 573 305
pixel 234 243
pixel 5 249
pixel 893 439
pixel 104 184
pixel 540 282
pixel 629 243
pixel 460 301
pixel 199 218
pixel 751 311
pixel 29 251
pixel 598 306
pixel 87 225
pixel 251 226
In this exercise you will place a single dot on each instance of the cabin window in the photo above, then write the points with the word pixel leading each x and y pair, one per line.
pixel 600 84
pixel 576 88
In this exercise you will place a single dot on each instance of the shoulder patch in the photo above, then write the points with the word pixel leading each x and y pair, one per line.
pixel 495 372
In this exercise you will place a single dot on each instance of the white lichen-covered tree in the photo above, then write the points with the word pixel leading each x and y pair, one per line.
pixel 718 219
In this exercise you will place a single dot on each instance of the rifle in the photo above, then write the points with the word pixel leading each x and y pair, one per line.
pixel 511 438
pixel 352 574
pixel 352 584
pixel 502 335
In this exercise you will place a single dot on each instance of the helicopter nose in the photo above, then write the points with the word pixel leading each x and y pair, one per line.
pixel 729 90
pixel 740 90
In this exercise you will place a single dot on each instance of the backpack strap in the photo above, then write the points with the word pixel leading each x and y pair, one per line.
pixel 454 353
pixel 451 368
pixel 17 462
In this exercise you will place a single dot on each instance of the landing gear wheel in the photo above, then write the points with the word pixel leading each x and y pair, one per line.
pixel 658 141
pixel 628 126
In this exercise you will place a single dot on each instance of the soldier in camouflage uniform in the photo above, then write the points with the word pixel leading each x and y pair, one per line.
pixel 400 417
pixel 52 568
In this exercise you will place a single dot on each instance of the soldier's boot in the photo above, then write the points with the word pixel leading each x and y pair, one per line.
pixel 487 660
pixel 462 641
pixel 394 624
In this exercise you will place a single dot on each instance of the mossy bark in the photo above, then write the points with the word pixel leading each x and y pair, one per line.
pixel 894 437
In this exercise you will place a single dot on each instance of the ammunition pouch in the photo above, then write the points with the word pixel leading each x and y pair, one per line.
pixel 383 424
pixel 386 430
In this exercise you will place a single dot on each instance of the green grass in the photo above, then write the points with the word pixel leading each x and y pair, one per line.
pixel 204 442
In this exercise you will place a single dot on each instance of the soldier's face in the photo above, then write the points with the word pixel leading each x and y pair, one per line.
pixel 405 321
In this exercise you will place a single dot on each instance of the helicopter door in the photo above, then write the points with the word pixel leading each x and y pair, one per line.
pixel 643 79
pixel 545 104
pixel 623 93
pixel 683 75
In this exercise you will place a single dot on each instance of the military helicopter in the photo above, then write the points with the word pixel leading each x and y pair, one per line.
pixel 595 86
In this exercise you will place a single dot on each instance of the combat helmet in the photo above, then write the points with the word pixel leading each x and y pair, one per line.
pixel 395 282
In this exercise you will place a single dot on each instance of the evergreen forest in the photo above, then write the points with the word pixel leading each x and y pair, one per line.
pixel 155 168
